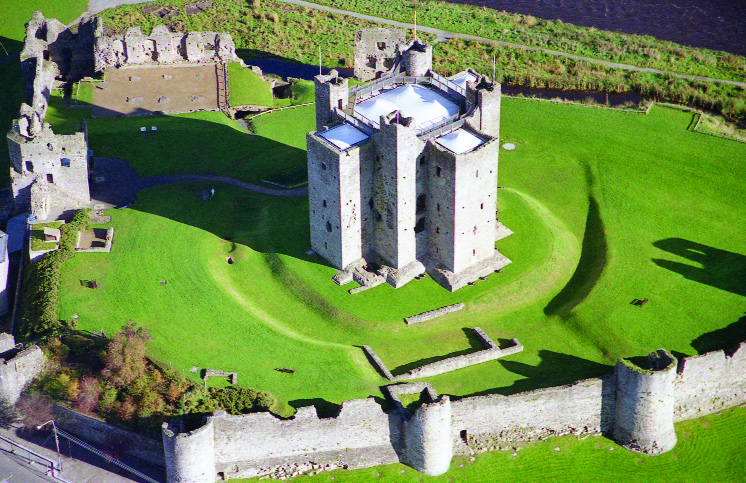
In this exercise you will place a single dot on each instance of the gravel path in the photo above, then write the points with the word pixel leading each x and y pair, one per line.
pixel 445 34
pixel 121 183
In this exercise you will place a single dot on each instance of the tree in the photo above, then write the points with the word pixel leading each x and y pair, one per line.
pixel 89 394
pixel 125 355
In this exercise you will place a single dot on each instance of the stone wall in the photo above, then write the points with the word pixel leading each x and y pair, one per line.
pixel 162 47
pixel 361 435
pixel 18 368
pixel 709 383
pixel 487 422
pixel 632 404
pixel 377 52
pixel 433 314
pixel 105 435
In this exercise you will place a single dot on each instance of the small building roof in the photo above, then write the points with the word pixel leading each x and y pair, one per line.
pixel 16 232
pixel 426 106
pixel 460 141
pixel 344 136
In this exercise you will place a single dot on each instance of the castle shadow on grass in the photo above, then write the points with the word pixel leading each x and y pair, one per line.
pixel 708 265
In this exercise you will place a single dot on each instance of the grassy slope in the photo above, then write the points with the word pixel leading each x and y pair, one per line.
pixel 245 87
pixel 709 450
pixel 16 14
pixel 202 142
pixel 643 172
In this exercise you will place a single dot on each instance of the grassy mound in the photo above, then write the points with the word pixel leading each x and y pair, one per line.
pixel 566 296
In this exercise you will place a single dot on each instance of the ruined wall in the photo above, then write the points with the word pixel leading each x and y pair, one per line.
pixel 105 435
pixel 361 435
pixel 18 369
pixel 377 52
pixel 487 422
pixel 708 383
pixel 49 171
pixel 427 438
pixel 161 47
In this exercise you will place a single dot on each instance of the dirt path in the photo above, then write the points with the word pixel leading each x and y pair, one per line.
pixel 445 34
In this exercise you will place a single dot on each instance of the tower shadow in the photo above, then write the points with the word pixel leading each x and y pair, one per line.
pixel 718 268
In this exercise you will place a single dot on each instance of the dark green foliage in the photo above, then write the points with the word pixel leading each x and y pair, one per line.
pixel 41 282
pixel 233 399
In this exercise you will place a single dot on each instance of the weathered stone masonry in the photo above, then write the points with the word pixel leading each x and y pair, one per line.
pixel 635 406
pixel 399 197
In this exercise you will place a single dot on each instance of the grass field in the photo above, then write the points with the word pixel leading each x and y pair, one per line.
pixel 709 450
pixel 246 87
pixel 606 207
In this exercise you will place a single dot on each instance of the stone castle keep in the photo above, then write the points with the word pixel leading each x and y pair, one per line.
pixel 402 172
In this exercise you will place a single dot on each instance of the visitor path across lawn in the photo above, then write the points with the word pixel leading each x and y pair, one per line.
pixel 121 183
pixel 445 34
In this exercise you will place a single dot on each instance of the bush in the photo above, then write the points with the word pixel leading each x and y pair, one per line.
pixel 87 398
pixel 41 282
pixel 125 356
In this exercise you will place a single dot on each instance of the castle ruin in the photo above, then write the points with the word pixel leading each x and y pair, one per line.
pixel 402 172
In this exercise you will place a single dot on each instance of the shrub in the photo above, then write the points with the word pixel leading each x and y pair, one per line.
pixel 41 282
pixel 34 409
pixel 127 410
pixel 125 356
pixel 90 391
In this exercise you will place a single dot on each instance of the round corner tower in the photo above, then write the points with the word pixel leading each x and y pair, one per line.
pixel 428 447
pixel 417 58
pixel 645 404
pixel 190 456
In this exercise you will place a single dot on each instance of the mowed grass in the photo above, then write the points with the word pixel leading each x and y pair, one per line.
pixel 606 207
pixel 246 87
pixel 16 14
pixel 203 142
pixel 709 450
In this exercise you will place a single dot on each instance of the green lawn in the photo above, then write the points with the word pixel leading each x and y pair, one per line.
pixel 205 142
pixel 709 450
pixel 606 207
pixel 16 14
pixel 38 240
pixel 245 87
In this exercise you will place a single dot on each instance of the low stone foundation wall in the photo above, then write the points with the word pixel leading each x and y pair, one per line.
pixel 433 314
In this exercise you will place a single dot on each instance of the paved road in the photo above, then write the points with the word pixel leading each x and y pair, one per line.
pixel 445 34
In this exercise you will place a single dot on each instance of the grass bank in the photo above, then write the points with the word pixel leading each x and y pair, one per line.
pixel 245 317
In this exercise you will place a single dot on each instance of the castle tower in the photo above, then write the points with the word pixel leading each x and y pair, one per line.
pixel 486 97
pixel 645 404
pixel 331 92
pixel 398 148
pixel 417 58
pixel 428 446
pixel 462 205
pixel 190 456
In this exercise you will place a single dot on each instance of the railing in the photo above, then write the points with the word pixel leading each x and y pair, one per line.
pixel 359 121
pixel 448 84
pixel 37 458
pixel 105 456
pixel 442 130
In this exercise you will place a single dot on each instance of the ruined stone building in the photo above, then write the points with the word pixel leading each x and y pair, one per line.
pixel 49 171
pixel 162 47
pixel 403 171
